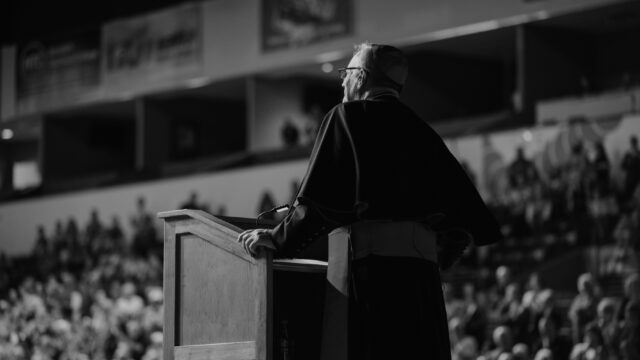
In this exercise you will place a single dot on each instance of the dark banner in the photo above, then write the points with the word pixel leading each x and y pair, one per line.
pixel 295 23
pixel 57 65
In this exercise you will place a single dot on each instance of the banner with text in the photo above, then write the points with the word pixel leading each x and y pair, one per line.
pixel 153 51
pixel 57 71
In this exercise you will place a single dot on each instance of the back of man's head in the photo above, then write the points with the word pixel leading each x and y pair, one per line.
pixel 386 65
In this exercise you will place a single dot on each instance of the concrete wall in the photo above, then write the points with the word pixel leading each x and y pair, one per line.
pixel 238 191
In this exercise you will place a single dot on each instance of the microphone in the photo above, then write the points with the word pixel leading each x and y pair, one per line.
pixel 277 209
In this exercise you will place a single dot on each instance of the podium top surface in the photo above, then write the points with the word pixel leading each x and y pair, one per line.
pixel 238 224
pixel 300 265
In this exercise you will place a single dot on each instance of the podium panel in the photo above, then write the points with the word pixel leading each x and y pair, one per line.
pixel 223 313
pixel 219 301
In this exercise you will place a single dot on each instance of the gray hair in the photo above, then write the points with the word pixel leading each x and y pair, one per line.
pixel 386 65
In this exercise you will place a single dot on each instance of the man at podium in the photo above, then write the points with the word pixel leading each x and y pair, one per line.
pixel 385 188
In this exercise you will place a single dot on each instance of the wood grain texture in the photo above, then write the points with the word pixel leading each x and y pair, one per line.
pixel 216 236
pixel 200 215
pixel 169 281
pixel 215 293
pixel 224 351
pixel 263 293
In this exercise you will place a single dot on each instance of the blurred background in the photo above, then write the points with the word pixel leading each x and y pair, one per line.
pixel 113 111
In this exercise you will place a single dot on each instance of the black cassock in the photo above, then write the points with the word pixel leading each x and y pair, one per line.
pixel 375 159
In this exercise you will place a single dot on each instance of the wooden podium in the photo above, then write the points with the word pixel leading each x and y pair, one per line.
pixel 219 301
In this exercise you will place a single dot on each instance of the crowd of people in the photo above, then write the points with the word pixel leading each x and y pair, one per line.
pixel 91 293
pixel 495 317
pixel 511 321
pixel 575 205
pixel 85 294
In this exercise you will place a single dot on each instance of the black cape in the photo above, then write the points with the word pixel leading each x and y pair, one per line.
pixel 375 159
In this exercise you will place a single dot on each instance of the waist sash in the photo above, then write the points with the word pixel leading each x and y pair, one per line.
pixel 402 238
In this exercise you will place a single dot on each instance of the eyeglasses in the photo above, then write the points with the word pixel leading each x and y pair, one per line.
pixel 343 71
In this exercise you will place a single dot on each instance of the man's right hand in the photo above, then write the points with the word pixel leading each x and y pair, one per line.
pixel 254 239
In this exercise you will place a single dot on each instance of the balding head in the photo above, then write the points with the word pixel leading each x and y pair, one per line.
pixel 386 65
pixel 502 337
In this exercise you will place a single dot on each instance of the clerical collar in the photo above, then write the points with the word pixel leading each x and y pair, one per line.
pixel 380 94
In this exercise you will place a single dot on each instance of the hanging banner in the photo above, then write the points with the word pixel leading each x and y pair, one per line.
pixel 156 49
pixel 294 23
pixel 57 71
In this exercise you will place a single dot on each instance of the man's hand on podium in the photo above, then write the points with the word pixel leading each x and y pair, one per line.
pixel 251 240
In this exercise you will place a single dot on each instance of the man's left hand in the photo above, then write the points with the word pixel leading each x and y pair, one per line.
pixel 254 239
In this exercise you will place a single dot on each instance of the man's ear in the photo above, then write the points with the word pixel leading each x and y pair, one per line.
pixel 362 78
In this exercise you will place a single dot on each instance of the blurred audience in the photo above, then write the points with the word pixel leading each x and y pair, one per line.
pixel 608 326
pixel 91 299
pixel 630 333
pixel 551 339
pixel 631 167
pixel 193 203
pixel 592 346
pixel 502 342
pixel 631 293
pixel 144 232
pixel 94 294
pixel 522 172
pixel 583 309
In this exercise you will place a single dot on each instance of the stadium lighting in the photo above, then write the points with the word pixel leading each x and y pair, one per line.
pixel 327 67
pixel 7 134
pixel 197 82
